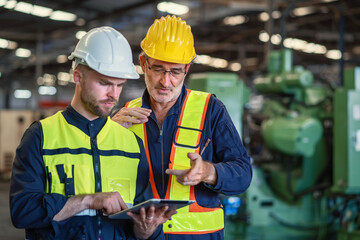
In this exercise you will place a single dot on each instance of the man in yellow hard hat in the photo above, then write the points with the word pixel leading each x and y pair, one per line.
pixel 77 164
pixel 193 149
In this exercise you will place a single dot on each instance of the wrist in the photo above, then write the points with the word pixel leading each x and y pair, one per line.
pixel 210 174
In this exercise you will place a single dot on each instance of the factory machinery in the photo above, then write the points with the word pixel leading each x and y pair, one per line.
pixel 303 135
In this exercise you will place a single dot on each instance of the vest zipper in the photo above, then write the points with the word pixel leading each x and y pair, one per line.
pixel 162 162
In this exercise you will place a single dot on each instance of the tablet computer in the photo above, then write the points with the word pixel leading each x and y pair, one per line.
pixel 157 203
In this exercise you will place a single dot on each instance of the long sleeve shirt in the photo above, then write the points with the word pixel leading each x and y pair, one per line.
pixel 225 150
pixel 33 209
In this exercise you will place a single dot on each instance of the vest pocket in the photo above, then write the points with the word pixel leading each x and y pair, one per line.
pixel 120 185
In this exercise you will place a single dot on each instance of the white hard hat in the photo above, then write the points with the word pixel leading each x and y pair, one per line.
pixel 106 51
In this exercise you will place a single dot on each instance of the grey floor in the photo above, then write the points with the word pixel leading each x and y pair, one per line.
pixel 7 230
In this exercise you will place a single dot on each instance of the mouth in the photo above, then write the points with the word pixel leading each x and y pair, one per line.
pixel 108 104
pixel 164 90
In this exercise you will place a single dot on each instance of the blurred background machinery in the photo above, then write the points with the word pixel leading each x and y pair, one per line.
pixel 303 135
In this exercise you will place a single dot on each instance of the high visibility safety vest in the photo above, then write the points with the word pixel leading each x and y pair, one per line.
pixel 76 164
pixel 192 219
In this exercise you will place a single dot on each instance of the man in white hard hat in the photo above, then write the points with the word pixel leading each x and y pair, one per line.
pixel 193 147
pixel 77 166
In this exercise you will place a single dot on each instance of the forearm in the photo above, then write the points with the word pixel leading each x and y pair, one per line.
pixel 73 206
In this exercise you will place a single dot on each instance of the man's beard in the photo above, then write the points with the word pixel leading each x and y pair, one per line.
pixel 93 106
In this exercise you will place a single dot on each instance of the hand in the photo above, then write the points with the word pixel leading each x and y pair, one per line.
pixel 147 221
pixel 126 117
pixel 109 202
pixel 200 171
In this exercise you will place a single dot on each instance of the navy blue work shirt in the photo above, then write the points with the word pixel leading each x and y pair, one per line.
pixel 225 151
pixel 33 209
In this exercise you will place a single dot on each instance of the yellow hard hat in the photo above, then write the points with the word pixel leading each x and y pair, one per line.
pixel 169 39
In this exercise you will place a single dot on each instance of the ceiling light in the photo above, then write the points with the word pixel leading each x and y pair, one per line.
pixel 49 79
pixel 47 90
pixel 24 7
pixel 10 4
pixel 41 11
pixel 234 20
pixel 211 61
pixel 61 59
pixel 80 34
pixel 2 2
pixel 303 11
pixel 276 39
pixel 333 54
pixel 62 16
pixel 276 14
pixel 235 66
pixel 23 52
pixel 173 8
pixel 22 94
pixel 264 36
pixel 4 43
pixel 264 16
pixel 64 76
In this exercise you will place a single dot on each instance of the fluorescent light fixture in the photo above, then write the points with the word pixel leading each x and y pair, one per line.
pixel 234 20
pixel 61 59
pixel 22 94
pixel 276 14
pixel 2 2
pixel 173 8
pixel 10 4
pixel 64 76
pixel 41 11
pixel 235 66
pixel 49 79
pixel 264 36
pixel 4 43
pixel 80 34
pixel 62 16
pixel 264 17
pixel 275 39
pixel 211 61
pixel 23 7
pixel 303 11
pixel 47 90
pixel 23 52
pixel 333 54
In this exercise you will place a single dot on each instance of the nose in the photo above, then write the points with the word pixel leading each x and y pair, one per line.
pixel 165 79
pixel 114 92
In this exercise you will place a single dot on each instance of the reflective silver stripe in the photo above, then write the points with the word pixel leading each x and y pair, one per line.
pixel 87 212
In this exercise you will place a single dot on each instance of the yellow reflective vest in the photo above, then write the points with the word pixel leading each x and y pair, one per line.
pixel 76 164
pixel 193 219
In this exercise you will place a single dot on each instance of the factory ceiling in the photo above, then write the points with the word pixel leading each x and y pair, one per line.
pixel 312 28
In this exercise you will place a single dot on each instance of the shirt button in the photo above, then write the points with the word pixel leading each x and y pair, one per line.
pixel 170 225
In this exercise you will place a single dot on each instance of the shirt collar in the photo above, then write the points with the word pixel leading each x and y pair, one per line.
pixel 91 128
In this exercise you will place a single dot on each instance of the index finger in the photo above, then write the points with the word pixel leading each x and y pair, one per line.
pixel 176 172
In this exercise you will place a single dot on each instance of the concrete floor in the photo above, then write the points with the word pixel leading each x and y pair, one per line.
pixel 7 230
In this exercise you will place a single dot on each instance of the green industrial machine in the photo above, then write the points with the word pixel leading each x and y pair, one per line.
pixel 228 88
pixel 306 155
pixel 304 140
